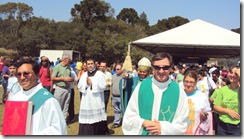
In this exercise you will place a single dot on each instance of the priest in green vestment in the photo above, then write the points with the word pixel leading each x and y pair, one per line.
pixel 157 106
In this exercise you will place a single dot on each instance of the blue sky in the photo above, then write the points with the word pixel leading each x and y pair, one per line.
pixel 223 13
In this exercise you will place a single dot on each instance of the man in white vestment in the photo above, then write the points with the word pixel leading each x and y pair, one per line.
pixel 92 115
pixel 47 119
pixel 157 106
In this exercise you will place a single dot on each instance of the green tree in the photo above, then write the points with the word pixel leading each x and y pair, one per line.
pixel 237 30
pixel 91 11
pixel 143 20
pixel 38 33
pixel 72 36
pixel 175 21
pixel 15 14
pixel 13 17
pixel 129 15
pixel 167 24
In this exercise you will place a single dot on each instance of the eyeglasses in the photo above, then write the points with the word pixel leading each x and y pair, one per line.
pixel 25 74
pixel 159 68
pixel 189 82
pixel 118 69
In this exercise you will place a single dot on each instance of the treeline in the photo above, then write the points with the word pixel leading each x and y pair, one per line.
pixel 92 30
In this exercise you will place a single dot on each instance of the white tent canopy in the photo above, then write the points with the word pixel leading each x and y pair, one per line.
pixel 194 39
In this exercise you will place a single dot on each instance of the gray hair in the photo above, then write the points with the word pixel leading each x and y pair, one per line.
pixel 65 55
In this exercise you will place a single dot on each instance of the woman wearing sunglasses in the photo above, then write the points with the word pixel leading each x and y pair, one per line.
pixel 45 74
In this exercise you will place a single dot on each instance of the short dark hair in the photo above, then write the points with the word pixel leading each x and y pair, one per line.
pixel 90 59
pixel 226 80
pixel 35 66
pixel 13 63
pixel 216 72
pixel 103 61
pixel 162 55
pixel 201 71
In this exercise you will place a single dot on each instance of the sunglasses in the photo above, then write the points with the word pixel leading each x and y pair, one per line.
pixel 117 69
pixel 25 74
pixel 159 68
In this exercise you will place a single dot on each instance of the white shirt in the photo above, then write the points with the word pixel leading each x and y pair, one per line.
pixel 48 119
pixel 211 70
pixel 132 122
pixel 198 102
pixel 12 80
pixel 108 79
pixel 203 85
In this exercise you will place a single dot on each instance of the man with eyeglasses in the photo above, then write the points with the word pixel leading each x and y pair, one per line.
pixel 116 100
pixel 157 106
pixel 47 116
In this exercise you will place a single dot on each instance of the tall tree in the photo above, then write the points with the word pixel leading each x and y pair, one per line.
pixel 143 20
pixel 38 33
pixel 91 11
pixel 129 15
pixel 13 17
pixel 15 13
pixel 166 24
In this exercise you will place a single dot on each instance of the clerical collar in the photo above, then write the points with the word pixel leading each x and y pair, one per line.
pixel 92 72
pixel 33 89
pixel 162 84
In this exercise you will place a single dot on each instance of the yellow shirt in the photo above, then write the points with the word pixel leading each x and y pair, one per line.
pixel 78 66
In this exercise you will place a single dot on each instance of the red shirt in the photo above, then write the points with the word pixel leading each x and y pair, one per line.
pixel 44 78
pixel 1 65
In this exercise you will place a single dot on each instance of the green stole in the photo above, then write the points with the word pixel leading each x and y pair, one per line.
pixel 39 98
pixel 169 102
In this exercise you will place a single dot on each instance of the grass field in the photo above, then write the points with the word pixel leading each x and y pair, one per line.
pixel 72 127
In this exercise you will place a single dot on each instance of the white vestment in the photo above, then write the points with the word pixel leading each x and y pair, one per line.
pixel 48 119
pixel 92 106
pixel 132 122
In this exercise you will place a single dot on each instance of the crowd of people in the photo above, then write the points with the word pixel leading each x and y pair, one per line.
pixel 156 97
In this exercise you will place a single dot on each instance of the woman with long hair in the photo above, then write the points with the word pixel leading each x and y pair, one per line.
pixel 45 74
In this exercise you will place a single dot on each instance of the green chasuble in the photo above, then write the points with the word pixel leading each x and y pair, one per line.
pixel 169 102
pixel 126 93
pixel 39 98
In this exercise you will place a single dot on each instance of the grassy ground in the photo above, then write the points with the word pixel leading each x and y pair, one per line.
pixel 72 127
